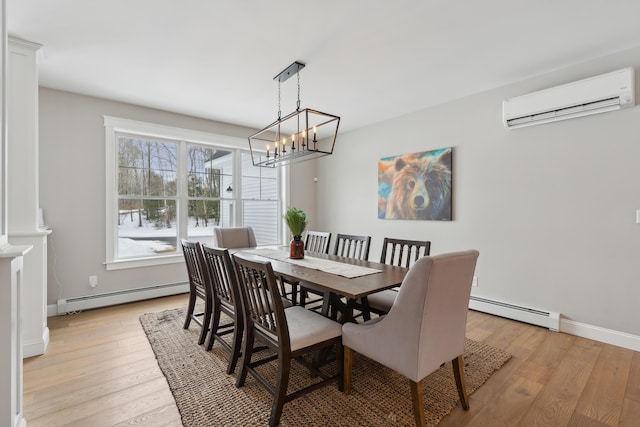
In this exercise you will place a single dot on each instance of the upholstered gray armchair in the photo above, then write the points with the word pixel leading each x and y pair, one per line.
pixel 234 237
pixel 424 328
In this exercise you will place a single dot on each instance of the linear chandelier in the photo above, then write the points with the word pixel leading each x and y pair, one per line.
pixel 299 136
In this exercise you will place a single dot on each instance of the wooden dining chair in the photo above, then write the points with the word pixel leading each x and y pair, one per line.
pixel 399 252
pixel 424 328
pixel 290 333
pixel 220 274
pixel 198 288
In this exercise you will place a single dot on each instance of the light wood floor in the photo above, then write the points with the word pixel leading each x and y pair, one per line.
pixel 99 370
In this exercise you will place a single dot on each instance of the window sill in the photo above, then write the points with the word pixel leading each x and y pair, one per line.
pixel 143 262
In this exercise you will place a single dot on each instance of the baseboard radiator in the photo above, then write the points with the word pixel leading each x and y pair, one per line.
pixel 533 316
pixel 121 297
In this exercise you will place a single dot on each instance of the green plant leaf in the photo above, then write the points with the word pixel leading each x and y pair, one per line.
pixel 296 220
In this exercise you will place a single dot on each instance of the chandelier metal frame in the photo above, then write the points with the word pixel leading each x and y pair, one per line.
pixel 302 135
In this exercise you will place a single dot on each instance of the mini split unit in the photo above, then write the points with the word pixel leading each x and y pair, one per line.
pixel 599 94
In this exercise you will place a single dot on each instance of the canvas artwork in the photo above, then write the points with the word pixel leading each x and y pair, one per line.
pixel 415 186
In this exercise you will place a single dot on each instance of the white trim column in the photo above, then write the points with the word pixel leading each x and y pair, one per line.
pixel 11 336
pixel 24 219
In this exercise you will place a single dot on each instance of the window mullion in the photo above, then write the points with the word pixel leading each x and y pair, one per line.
pixel 237 186
pixel 183 202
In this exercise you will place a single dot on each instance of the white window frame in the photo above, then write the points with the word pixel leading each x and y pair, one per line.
pixel 114 125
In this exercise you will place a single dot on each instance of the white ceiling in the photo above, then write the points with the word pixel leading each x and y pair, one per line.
pixel 366 61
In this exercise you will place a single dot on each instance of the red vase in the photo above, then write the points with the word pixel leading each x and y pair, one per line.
pixel 296 248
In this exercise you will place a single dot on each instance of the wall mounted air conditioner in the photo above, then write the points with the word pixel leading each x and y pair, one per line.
pixel 599 94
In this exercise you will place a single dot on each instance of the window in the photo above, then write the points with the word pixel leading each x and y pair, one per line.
pixel 260 200
pixel 165 184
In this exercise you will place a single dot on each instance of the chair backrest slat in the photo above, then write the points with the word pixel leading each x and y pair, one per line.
pixel 261 299
pixel 192 251
pixel 403 253
pixel 352 246
pixel 218 264
pixel 317 241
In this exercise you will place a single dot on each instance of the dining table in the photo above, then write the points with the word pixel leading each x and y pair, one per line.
pixel 345 277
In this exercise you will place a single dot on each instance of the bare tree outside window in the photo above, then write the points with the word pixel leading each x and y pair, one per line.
pixel 209 174
pixel 147 197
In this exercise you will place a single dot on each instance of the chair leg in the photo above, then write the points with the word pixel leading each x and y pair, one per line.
pixel 294 293
pixel 280 395
pixel 294 290
pixel 215 323
pixel 303 296
pixel 346 370
pixel 326 304
pixel 283 290
pixel 190 307
pixel 418 405
pixel 245 359
pixel 366 312
pixel 340 362
pixel 333 303
pixel 206 321
pixel 458 373
pixel 236 347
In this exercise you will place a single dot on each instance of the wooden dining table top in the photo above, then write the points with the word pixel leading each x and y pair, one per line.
pixel 388 277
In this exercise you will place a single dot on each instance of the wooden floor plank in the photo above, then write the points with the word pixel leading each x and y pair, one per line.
pixel 121 413
pixel 165 416
pixel 630 415
pixel 77 369
pixel 556 403
pixel 603 396
pixel 544 361
pixel 92 412
pixel 499 385
pixel 90 387
pixel 633 383
pixel 136 343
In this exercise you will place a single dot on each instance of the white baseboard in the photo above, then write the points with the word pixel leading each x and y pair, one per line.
pixel 20 421
pixel 555 322
pixel 52 310
pixel 87 302
pixel 596 333
pixel 36 347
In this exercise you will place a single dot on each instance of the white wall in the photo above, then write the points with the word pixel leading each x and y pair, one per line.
pixel 303 191
pixel 72 191
pixel 551 208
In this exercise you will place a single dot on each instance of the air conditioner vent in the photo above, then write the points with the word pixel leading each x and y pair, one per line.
pixel 594 95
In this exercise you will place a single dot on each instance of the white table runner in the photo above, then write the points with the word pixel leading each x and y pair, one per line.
pixel 334 267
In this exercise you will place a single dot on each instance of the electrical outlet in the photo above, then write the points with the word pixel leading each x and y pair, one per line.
pixel 474 282
pixel 93 281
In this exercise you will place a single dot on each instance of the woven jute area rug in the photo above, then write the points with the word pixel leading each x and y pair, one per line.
pixel 207 396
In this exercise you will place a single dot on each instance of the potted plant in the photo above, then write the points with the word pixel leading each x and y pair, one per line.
pixel 297 222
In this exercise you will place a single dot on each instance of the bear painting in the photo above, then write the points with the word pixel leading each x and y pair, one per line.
pixel 415 186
